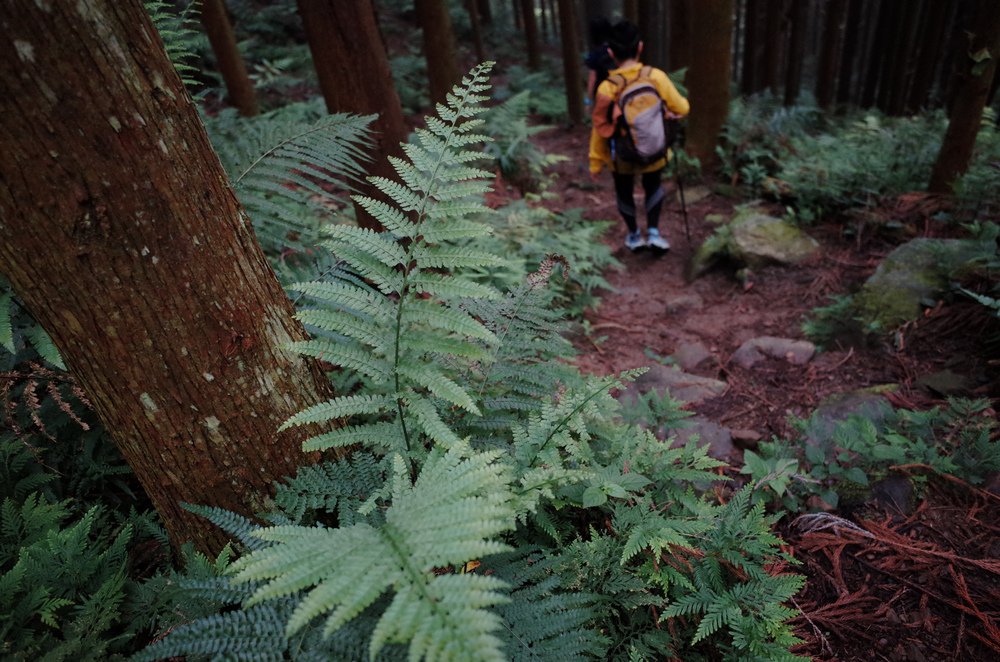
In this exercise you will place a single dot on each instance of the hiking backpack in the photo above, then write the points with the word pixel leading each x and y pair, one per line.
pixel 641 135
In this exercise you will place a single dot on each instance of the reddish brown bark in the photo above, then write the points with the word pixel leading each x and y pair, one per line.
pixel 439 46
pixel 979 64
pixel 227 57
pixel 354 76
pixel 571 61
pixel 119 231
pixel 708 78
pixel 532 43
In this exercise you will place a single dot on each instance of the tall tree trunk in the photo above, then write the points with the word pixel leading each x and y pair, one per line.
pixel 653 29
pixel 544 14
pixel 353 71
pixel 531 34
pixel 571 62
pixel 848 54
pixel 877 54
pixel 439 46
pixel 826 75
pixel 630 11
pixel 516 12
pixel 905 62
pixel 774 44
pixel 681 39
pixel 120 232
pixel 892 52
pixel 485 11
pixel 979 64
pixel 932 41
pixel 708 79
pixel 477 30
pixel 750 82
pixel 227 57
pixel 796 51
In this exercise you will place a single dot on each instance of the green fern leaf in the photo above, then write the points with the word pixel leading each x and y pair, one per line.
pixel 384 435
pixel 393 220
pixel 451 287
pixel 362 330
pixel 381 246
pixel 440 385
pixel 351 356
pixel 6 327
pixel 43 344
pixel 441 317
pixel 340 407
pixel 453 512
pixel 350 297
pixel 430 422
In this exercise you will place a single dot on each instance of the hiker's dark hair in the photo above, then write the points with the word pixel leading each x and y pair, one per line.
pixel 598 31
pixel 624 40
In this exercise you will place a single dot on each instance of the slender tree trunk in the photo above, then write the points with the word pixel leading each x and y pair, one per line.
pixel 439 46
pixel 796 51
pixel 826 76
pixel 891 54
pixel 630 10
pixel 906 57
pixel 708 79
pixel 120 232
pixel 477 30
pixel 979 64
pixel 653 29
pixel 571 62
pixel 531 34
pixel 227 57
pixel 516 12
pixel 877 53
pixel 354 76
pixel 544 15
pixel 680 34
pixel 750 82
pixel 773 45
pixel 485 11
pixel 932 41
pixel 848 54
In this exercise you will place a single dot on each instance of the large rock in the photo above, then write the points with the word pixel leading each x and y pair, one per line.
pixel 796 352
pixel 680 385
pixel 689 355
pixel 914 274
pixel 753 238
pixel 759 239
pixel 836 409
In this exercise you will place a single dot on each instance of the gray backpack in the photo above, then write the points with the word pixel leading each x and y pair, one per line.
pixel 641 135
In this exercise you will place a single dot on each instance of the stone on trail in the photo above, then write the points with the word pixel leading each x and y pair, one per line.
pixel 680 385
pixel 838 408
pixel 716 437
pixel 679 303
pixel 796 352
pixel 689 355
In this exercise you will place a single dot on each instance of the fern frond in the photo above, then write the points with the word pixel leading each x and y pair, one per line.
pixel 238 526
pixel 340 407
pixel 350 297
pixel 440 385
pixel 348 355
pixel 453 513
pixel 387 436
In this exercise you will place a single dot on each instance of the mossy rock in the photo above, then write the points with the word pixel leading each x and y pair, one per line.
pixel 753 238
pixel 916 273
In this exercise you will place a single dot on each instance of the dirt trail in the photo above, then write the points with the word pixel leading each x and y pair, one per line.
pixel 657 311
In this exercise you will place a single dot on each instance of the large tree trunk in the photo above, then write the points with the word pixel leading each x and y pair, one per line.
pixel 849 53
pixel 653 30
pixel 571 62
pixel 681 39
pixel 708 79
pixel 477 30
pixel 119 231
pixel 354 76
pixel 439 45
pixel 227 57
pixel 532 43
pixel 979 65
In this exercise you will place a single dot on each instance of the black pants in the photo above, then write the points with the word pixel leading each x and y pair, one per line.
pixel 626 200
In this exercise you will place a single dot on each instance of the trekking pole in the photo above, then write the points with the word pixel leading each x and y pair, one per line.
pixel 677 135
pixel 684 209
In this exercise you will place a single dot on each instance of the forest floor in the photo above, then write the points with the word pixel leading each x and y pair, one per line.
pixel 915 584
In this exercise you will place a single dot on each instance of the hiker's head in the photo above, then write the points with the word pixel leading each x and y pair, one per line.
pixel 623 41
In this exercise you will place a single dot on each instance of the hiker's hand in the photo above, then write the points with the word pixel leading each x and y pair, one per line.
pixel 673 116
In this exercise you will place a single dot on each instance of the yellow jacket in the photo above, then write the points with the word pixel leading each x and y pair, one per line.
pixel 603 127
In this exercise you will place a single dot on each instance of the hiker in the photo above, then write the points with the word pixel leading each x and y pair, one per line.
pixel 628 147
pixel 598 60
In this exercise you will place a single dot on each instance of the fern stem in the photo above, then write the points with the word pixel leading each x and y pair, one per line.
pixel 275 149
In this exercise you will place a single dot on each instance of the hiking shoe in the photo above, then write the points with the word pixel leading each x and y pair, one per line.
pixel 634 241
pixel 657 241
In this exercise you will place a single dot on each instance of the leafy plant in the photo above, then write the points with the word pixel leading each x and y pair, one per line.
pixel 516 157
pixel 495 497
